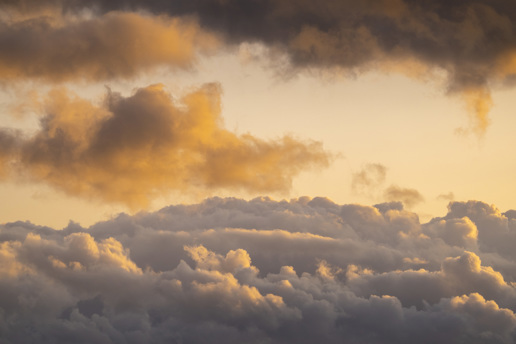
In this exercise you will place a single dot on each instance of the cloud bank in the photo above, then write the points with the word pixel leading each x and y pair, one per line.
pixel 472 42
pixel 232 271
pixel 131 149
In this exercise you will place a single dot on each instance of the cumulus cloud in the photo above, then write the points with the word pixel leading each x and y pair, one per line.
pixel 229 270
pixel 131 149
pixel 46 45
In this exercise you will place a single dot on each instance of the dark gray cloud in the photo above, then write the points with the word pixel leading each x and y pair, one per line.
pixel 471 41
pixel 455 36
pixel 231 271
pixel 46 45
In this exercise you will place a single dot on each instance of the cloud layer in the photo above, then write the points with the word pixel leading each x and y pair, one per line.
pixel 231 271
pixel 471 41
pixel 133 148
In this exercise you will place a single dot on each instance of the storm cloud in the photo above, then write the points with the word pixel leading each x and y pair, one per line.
pixel 229 270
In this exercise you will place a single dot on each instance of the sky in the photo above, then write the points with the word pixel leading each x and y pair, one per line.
pixel 257 171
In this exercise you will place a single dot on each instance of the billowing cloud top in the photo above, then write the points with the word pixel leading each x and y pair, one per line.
pixel 455 36
pixel 233 271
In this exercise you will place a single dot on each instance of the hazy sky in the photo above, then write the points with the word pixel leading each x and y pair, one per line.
pixel 365 145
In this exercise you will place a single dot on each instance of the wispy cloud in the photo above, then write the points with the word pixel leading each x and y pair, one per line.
pixel 55 47
pixel 409 197
pixel 369 179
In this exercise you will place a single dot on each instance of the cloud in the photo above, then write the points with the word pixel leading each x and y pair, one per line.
pixel 472 42
pixel 474 305
pixel 369 182
pixel 459 231
pixel 422 40
pixel 51 47
pixel 131 149
pixel 446 197
pixel 369 179
pixel 229 270
pixel 410 197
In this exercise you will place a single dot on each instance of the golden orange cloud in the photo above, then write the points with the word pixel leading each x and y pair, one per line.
pixel 131 149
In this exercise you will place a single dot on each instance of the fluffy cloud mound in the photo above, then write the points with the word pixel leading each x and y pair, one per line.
pixel 232 271
pixel 133 148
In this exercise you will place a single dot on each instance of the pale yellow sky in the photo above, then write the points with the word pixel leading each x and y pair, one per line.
pixel 409 126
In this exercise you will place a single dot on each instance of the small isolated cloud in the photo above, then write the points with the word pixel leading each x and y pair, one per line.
pixel 131 149
pixel 450 196
pixel 369 179
pixel 409 197
pixel 236 271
